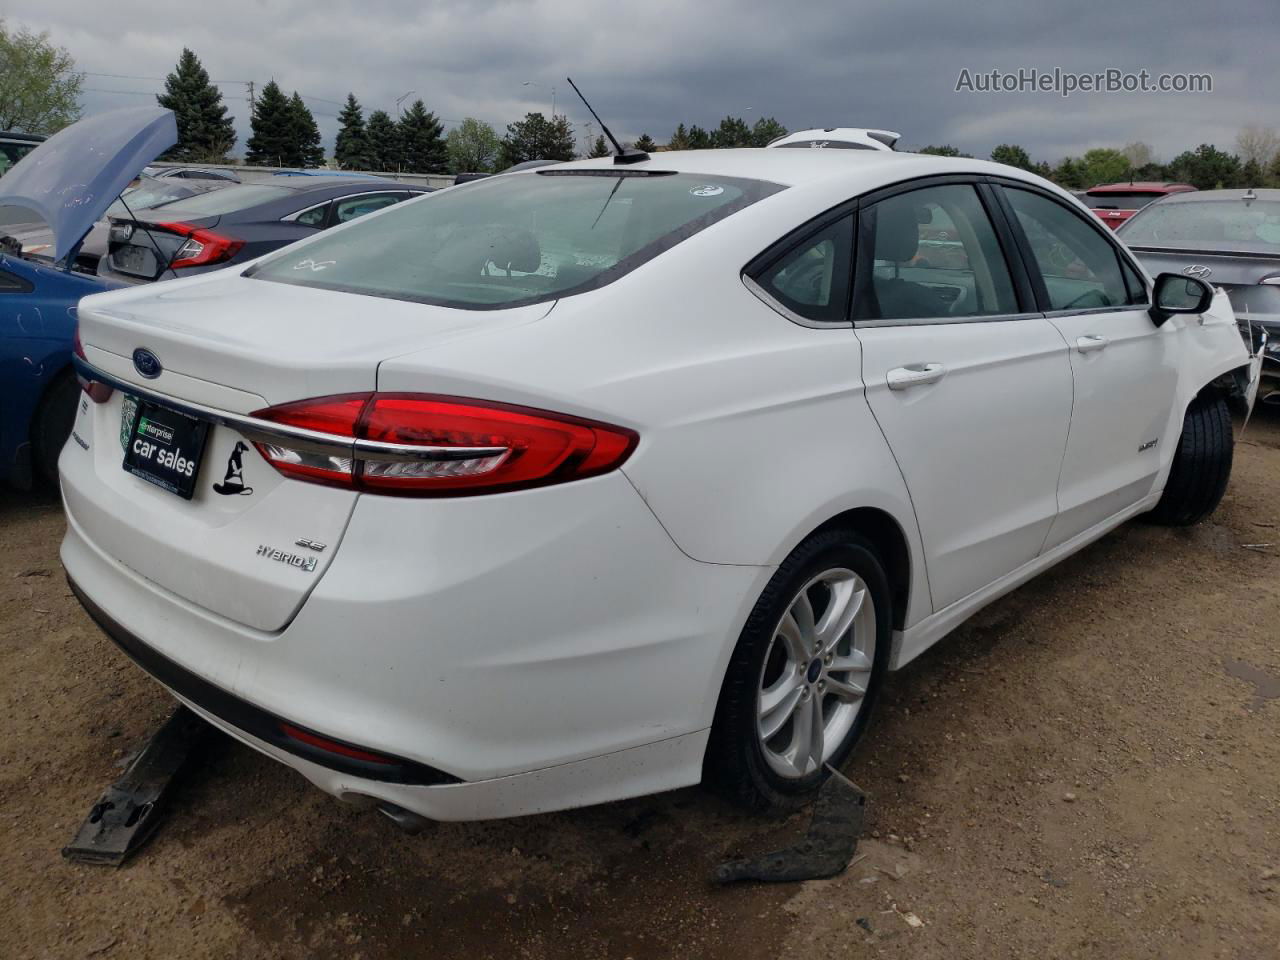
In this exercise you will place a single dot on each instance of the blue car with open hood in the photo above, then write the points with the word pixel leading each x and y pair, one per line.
pixel 68 182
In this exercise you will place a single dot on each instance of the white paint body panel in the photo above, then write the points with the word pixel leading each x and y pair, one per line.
pixel 566 645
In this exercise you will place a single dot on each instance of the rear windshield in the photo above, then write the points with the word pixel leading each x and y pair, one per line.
pixel 150 192
pixel 516 239
pixel 229 200
pixel 1120 201
pixel 1248 226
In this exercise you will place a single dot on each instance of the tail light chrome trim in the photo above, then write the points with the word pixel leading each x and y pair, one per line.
pixel 297 438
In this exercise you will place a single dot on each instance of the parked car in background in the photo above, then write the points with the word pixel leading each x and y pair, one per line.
pixel 191 173
pixel 1229 238
pixel 1114 203
pixel 840 138
pixel 585 482
pixel 15 146
pixel 147 193
pixel 39 297
pixel 238 223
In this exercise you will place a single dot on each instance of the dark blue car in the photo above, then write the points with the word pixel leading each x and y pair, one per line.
pixel 68 182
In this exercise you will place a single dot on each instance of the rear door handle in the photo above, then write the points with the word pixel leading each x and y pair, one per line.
pixel 915 374
pixel 1091 342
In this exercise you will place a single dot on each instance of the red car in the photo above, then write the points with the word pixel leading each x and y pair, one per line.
pixel 1114 203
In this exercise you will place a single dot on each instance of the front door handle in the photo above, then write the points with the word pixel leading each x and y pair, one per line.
pixel 1091 342
pixel 915 374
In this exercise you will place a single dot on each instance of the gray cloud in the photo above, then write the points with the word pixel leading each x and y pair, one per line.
pixel 649 66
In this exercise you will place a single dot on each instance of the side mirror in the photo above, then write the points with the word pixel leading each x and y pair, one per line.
pixel 1177 293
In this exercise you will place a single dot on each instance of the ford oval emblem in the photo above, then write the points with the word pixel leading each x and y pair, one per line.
pixel 146 363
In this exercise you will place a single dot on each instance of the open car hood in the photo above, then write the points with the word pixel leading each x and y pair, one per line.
pixel 71 178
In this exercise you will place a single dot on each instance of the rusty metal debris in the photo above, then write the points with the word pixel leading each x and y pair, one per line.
pixel 824 852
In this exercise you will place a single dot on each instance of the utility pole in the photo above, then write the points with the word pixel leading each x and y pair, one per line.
pixel 249 84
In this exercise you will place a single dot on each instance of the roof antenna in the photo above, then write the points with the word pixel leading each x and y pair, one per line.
pixel 630 154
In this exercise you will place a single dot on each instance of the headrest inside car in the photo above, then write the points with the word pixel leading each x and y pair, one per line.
pixel 897 237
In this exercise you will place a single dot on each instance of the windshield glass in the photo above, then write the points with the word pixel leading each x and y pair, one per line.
pixel 516 239
pixel 1252 227
pixel 227 200
pixel 11 151
pixel 149 192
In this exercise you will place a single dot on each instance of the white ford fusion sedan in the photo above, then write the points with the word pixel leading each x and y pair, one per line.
pixel 599 479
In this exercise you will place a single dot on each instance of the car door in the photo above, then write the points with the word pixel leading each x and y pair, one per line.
pixel 969 383
pixel 1123 366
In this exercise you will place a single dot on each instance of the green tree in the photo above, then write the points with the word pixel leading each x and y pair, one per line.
pixel 599 149
pixel 351 147
pixel 383 141
pixel 1251 174
pixel 679 139
pixel 39 86
pixel 732 132
pixel 1069 173
pixel 1012 155
pixel 473 147
pixel 1104 165
pixel 945 150
pixel 645 143
pixel 308 149
pixel 271 129
pixel 699 139
pixel 421 139
pixel 537 138
pixel 205 133
pixel 1207 168
pixel 765 130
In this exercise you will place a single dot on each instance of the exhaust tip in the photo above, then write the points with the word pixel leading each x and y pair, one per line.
pixel 408 821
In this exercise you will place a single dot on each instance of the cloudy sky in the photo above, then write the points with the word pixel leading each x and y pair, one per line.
pixel 648 66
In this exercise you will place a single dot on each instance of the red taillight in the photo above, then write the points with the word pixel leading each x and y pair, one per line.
pixel 98 392
pixel 421 445
pixel 202 247
pixel 333 746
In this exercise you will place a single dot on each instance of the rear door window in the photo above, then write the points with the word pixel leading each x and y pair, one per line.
pixel 353 207
pixel 932 254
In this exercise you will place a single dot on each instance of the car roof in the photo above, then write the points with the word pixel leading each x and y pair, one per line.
pixel 1203 196
pixel 800 167
pixel 1141 186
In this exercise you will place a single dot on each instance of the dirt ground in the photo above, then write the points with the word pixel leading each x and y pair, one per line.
pixel 1089 768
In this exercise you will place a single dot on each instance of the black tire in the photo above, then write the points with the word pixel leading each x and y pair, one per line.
pixel 52 425
pixel 735 763
pixel 1201 464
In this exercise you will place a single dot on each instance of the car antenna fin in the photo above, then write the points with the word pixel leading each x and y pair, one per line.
pixel 627 155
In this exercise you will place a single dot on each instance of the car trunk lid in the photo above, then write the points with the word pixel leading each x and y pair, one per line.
pixel 249 544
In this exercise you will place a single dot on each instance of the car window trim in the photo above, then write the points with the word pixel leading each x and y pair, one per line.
pixel 23 284
pixel 1000 185
pixel 1028 307
pixel 788 244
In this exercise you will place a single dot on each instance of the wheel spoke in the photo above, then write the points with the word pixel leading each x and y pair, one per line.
pixel 808 748
pixel 847 690
pixel 853 662
pixel 802 612
pixel 777 704
pixel 793 637
pixel 846 600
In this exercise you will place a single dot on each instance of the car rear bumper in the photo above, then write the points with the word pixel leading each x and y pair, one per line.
pixel 549 648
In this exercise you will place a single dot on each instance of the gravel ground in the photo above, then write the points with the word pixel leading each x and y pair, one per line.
pixel 1089 768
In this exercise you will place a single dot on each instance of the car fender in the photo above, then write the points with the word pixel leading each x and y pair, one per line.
pixel 1211 350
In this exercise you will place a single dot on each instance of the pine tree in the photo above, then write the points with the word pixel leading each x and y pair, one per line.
pixel 766 130
pixel 679 139
pixel 351 148
pixel 309 151
pixel 537 138
pixel 732 132
pixel 205 133
pixel 699 139
pixel 383 141
pixel 271 141
pixel 599 149
pixel 645 143
pixel 420 137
